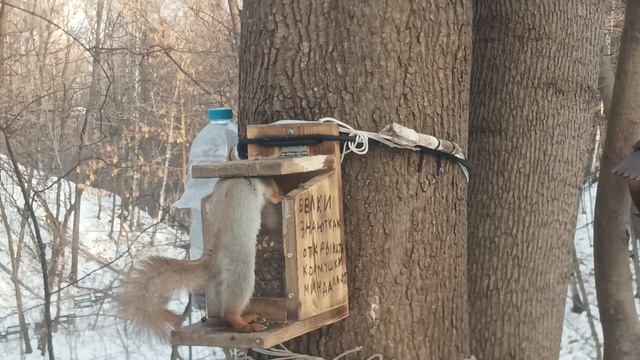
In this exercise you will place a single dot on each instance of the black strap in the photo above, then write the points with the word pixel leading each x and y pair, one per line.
pixel 440 155
pixel 295 140
pixel 305 140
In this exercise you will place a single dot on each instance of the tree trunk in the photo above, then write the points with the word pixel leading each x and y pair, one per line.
pixel 15 268
pixel 618 315
pixel 75 232
pixel 113 215
pixel 634 237
pixel 169 151
pixel 234 13
pixel 605 88
pixel 4 11
pixel 585 302
pixel 89 115
pixel 370 64
pixel 535 68
pixel 605 81
pixel 14 253
pixel 39 242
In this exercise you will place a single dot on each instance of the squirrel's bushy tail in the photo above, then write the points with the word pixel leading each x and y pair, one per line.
pixel 148 288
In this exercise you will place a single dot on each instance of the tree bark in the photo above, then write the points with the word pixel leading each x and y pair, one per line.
pixel 535 68
pixel 618 315
pixel 4 11
pixel 234 13
pixel 605 81
pixel 370 64
pixel 634 237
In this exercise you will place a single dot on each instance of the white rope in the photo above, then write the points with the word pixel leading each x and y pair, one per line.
pixel 285 354
pixel 360 145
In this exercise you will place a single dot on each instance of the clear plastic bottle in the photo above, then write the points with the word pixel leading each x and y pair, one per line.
pixel 211 145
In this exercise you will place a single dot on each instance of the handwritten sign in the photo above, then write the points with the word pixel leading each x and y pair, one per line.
pixel 322 276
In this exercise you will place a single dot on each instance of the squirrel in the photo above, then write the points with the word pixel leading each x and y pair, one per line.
pixel 226 267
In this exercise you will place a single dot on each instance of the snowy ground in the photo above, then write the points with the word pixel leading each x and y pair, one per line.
pixel 577 340
pixel 97 333
pixel 94 331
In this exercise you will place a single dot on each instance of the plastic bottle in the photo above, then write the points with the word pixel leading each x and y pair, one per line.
pixel 211 145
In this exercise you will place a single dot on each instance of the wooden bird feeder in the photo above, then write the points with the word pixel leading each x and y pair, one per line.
pixel 301 272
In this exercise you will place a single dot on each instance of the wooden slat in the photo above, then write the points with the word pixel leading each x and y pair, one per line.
pixel 269 167
pixel 257 151
pixel 290 261
pixel 203 335
pixel 259 131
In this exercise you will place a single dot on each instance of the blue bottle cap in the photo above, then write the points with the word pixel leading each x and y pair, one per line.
pixel 220 114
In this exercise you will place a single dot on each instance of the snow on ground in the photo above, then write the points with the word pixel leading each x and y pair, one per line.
pixel 94 330
pixel 577 340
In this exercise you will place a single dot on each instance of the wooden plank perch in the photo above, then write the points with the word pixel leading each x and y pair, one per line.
pixel 267 167
pixel 204 335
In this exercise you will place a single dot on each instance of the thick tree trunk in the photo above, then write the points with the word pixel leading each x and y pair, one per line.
pixel 618 315
pixel 535 68
pixel 370 64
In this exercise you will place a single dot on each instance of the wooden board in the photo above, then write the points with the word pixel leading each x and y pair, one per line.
pixel 290 263
pixel 320 257
pixel 256 151
pixel 204 335
pixel 269 167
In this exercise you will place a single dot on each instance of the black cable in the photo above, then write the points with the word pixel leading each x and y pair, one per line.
pixel 297 140
pixel 306 140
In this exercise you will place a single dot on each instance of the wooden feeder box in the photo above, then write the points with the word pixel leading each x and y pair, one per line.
pixel 301 272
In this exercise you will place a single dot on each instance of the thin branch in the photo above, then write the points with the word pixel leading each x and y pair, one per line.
pixel 585 302
pixel 75 39
pixel 167 52
pixel 40 242
pixel 108 263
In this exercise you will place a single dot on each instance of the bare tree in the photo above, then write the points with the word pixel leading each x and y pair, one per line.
pixel 15 255
pixel 619 319
pixel 91 113
pixel 14 249
pixel 28 204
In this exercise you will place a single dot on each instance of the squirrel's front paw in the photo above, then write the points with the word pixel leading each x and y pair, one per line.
pixel 253 327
